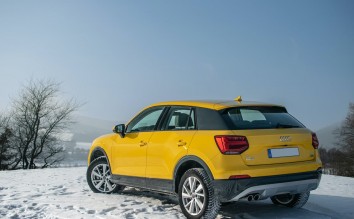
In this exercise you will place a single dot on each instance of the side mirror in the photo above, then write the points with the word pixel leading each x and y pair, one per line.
pixel 119 129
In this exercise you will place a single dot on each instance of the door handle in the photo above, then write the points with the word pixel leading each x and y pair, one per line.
pixel 142 143
pixel 181 143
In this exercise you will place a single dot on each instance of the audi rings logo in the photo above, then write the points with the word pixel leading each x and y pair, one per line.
pixel 285 138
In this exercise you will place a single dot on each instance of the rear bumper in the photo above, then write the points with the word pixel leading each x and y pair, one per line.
pixel 265 187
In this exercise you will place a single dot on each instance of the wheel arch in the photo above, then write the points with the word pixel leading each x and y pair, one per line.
pixel 97 152
pixel 185 164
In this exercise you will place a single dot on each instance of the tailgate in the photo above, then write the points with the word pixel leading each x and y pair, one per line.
pixel 272 146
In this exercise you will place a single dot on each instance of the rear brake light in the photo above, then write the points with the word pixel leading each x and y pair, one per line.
pixel 231 144
pixel 315 142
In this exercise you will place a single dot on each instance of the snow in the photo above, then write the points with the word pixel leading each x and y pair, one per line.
pixel 64 193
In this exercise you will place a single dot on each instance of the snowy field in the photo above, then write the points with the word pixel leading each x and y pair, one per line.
pixel 64 193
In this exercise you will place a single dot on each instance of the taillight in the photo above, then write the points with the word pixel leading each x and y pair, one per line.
pixel 231 144
pixel 315 142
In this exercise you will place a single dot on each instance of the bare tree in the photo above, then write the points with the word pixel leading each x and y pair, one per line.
pixel 334 161
pixel 347 130
pixel 6 152
pixel 39 118
pixel 346 141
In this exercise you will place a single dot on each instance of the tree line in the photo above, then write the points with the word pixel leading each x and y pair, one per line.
pixel 31 132
pixel 340 160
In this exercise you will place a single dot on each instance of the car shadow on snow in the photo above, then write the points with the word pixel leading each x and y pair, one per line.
pixel 266 210
pixel 165 199
pixel 331 205
pixel 318 207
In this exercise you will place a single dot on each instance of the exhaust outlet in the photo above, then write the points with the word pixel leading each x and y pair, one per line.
pixel 250 198
pixel 256 197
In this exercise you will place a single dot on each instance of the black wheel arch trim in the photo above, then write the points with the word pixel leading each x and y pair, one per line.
pixel 100 149
pixel 187 159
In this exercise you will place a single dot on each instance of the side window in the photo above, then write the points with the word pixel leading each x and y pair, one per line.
pixel 146 121
pixel 180 118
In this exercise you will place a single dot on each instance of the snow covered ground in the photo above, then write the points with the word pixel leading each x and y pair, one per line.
pixel 64 193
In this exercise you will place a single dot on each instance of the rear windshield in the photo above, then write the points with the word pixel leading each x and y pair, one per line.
pixel 259 118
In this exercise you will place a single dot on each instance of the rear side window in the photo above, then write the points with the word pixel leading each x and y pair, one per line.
pixel 180 118
pixel 259 118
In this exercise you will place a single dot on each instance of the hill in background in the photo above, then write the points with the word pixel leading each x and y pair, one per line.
pixel 327 137
pixel 79 136
pixel 86 129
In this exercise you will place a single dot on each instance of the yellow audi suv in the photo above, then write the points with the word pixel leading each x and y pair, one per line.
pixel 209 152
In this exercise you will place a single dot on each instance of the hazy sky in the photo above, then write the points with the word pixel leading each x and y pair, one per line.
pixel 119 56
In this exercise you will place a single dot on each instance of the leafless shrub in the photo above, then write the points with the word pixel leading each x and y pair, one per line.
pixel 38 119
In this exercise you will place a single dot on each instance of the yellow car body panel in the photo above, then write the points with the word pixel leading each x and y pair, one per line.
pixel 104 142
pixel 129 154
pixel 126 156
pixel 224 166
pixel 157 160
pixel 164 150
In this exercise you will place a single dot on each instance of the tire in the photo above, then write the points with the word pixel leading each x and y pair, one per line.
pixel 291 201
pixel 196 195
pixel 98 177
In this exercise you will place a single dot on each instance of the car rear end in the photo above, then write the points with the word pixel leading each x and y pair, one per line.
pixel 266 153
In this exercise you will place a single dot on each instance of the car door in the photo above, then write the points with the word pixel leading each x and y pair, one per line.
pixel 170 144
pixel 129 153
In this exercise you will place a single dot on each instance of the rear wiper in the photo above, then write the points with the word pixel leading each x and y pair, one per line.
pixel 279 125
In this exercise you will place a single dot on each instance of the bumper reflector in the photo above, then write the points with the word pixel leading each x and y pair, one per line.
pixel 239 177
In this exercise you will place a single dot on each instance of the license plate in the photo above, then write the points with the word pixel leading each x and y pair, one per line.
pixel 283 152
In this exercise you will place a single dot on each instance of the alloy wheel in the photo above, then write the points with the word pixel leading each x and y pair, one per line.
pixel 193 195
pixel 101 178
